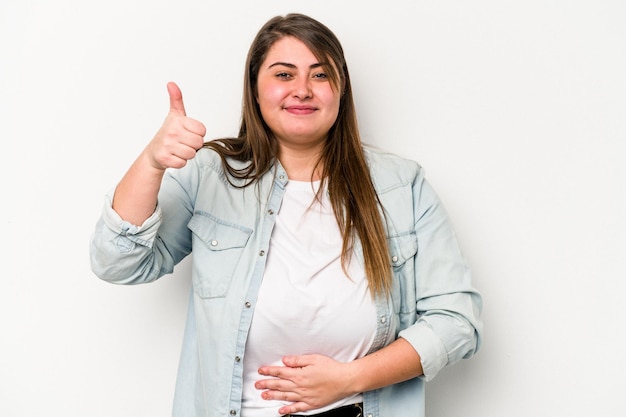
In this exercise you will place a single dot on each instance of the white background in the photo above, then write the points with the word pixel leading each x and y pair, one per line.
pixel 516 109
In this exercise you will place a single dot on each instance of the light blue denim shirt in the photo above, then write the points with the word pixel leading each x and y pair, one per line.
pixel 433 304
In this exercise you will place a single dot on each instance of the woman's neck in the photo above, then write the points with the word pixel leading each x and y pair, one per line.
pixel 301 165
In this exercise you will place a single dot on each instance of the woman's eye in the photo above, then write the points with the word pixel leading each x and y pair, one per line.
pixel 320 75
pixel 283 75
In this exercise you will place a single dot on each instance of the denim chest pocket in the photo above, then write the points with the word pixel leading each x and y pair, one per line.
pixel 217 248
pixel 402 248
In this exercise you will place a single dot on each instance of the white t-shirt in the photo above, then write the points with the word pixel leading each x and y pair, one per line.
pixel 306 304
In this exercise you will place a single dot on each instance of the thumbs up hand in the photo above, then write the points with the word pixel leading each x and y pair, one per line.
pixel 179 137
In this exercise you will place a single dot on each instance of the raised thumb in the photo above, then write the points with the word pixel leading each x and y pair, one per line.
pixel 176 99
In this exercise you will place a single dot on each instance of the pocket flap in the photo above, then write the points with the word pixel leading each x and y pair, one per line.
pixel 402 247
pixel 218 234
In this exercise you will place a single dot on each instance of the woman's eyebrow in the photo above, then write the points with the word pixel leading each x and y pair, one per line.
pixel 288 65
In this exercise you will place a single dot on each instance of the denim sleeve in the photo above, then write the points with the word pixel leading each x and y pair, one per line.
pixel 448 326
pixel 124 253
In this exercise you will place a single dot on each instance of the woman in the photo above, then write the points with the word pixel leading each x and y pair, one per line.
pixel 326 277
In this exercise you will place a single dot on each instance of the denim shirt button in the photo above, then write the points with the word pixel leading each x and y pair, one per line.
pixel 214 243
pixel 394 259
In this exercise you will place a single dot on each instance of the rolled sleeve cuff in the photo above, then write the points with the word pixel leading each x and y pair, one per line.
pixel 143 235
pixel 431 349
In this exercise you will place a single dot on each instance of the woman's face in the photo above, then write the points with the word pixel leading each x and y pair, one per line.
pixel 295 95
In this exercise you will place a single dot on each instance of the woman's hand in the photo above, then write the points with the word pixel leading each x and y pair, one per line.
pixel 307 381
pixel 175 143
pixel 179 137
pixel 313 381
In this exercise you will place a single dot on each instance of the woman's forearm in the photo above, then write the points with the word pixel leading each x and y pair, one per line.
pixel 392 364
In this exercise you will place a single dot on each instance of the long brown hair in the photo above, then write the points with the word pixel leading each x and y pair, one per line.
pixel 356 205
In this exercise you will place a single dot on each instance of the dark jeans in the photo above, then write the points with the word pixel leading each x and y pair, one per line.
pixel 352 410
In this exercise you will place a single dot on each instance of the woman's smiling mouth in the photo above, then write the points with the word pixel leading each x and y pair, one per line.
pixel 300 110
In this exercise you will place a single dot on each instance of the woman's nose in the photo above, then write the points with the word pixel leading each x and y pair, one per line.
pixel 302 88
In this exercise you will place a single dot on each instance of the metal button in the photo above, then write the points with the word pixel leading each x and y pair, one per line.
pixel 237 359
pixel 270 212
pixel 394 259
pixel 262 253
pixel 233 412
pixel 214 243
pixel 383 319
pixel 248 304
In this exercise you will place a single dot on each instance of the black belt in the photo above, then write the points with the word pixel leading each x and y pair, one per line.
pixel 352 410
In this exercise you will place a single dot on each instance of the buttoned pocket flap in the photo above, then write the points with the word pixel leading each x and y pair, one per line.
pixel 217 250
pixel 402 248
pixel 217 234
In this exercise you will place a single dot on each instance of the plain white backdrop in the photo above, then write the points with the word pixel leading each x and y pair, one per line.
pixel 516 109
